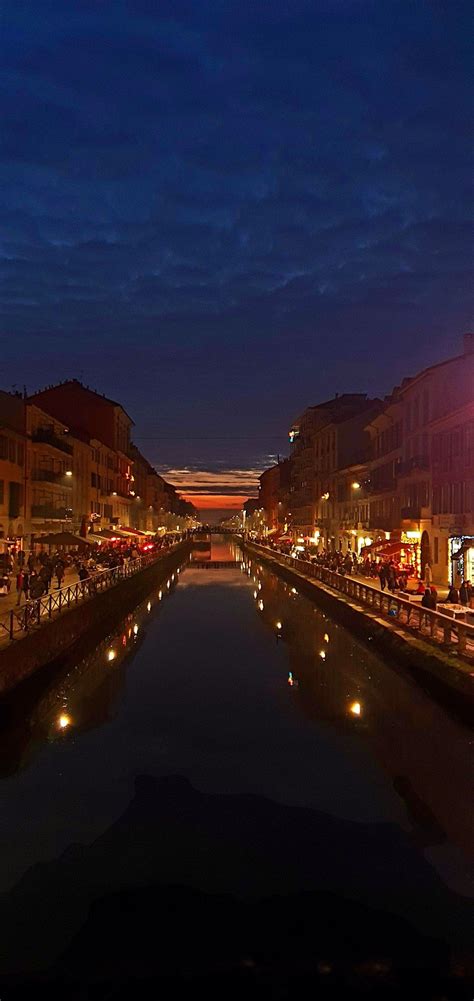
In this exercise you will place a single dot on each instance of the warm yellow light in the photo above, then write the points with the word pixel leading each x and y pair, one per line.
pixel 326 638
pixel 259 587
pixel 148 607
pixel 160 595
pixel 168 584
pixel 68 472
pixel 325 496
pixel 260 605
pixel 135 629
pixel 356 485
pixel 64 721
pixel 293 590
pixel 413 535
pixel 111 655
pixel 255 594
pixel 278 625
pixel 355 708
pixel 322 654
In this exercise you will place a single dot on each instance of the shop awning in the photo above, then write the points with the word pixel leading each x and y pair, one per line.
pixel 389 548
pixel 60 539
pixel 466 545
pixel 374 545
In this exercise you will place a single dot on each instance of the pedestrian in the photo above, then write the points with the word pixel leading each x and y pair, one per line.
pixel 31 562
pixel 391 578
pixel 26 584
pixel 428 575
pixel 21 559
pixel 45 577
pixel 382 576
pixel 59 573
pixel 19 585
pixel 452 597
pixel 465 593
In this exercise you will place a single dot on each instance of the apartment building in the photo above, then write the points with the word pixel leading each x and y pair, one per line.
pixel 13 501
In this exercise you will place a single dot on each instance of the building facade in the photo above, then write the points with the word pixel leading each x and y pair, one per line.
pixel 13 457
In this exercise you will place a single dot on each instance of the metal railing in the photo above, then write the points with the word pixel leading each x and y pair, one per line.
pixel 20 620
pixel 439 627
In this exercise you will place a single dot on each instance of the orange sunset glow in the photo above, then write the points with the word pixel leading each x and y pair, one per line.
pixel 215 502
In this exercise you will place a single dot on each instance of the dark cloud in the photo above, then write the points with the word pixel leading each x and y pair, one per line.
pixel 215 210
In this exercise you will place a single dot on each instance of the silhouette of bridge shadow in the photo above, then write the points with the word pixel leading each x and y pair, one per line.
pixel 232 893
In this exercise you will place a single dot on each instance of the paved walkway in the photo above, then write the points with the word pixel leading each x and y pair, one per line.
pixel 8 601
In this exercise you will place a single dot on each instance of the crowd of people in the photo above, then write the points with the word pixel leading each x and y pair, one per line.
pixel 389 574
pixel 37 573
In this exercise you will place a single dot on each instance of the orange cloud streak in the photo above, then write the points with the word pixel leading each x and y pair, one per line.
pixel 213 502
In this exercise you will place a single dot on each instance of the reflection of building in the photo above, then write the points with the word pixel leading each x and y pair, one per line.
pixel 13 511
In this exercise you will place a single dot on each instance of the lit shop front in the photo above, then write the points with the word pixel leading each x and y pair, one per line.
pixel 404 552
pixel 461 557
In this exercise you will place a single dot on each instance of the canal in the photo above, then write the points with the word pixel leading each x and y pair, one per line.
pixel 231 680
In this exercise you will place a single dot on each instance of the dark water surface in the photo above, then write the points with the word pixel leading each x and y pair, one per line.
pixel 232 680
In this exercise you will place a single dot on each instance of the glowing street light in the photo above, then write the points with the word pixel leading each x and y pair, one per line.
pixel 64 721
pixel 355 708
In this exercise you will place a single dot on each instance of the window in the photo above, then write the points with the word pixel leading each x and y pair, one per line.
pixel 415 413
pixel 426 409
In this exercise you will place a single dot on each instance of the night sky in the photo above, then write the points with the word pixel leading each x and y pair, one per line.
pixel 221 212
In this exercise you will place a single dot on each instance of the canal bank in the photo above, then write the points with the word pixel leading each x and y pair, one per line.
pixel 444 676
pixel 53 638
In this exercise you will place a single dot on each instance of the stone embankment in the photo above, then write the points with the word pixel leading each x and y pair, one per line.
pixel 56 622
pixel 437 650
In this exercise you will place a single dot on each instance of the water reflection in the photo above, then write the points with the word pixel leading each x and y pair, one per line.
pixel 342 683
pixel 86 691
pixel 220 675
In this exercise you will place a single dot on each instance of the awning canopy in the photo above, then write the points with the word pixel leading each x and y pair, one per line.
pixel 106 534
pixel 61 539
pixel 467 544
pixel 388 548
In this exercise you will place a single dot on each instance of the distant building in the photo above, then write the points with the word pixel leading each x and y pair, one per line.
pixel 327 437
pixel 13 501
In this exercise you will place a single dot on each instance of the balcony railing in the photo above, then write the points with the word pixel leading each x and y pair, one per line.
pixel 47 437
pixel 417 462
pixel 50 512
pixel 411 513
pixel 50 476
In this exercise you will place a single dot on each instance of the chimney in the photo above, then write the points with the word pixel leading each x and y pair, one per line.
pixel 468 344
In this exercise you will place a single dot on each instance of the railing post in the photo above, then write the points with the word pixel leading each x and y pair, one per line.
pixel 50 606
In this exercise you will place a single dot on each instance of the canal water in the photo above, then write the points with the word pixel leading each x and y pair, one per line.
pixel 232 680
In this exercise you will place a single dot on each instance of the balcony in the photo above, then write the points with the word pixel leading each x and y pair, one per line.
pixel 50 476
pixel 410 513
pixel 47 437
pixel 417 462
pixel 50 513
